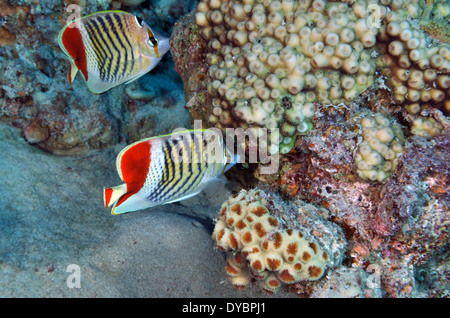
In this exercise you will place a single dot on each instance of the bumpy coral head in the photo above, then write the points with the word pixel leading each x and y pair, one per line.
pixel 417 68
pixel 271 62
pixel 262 248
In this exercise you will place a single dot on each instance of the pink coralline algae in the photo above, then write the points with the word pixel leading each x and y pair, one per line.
pixel 400 225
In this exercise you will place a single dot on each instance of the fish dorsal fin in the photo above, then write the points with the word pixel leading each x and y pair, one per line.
pixel 96 13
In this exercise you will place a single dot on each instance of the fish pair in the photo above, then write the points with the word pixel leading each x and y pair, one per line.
pixel 114 47
pixel 168 168
pixel 110 48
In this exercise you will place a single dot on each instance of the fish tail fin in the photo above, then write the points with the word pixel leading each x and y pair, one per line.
pixel 111 195
pixel 73 70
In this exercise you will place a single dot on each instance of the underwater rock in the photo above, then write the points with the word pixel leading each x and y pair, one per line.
pixel 345 282
pixel 35 94
pixel 189 52
pixel 34 90
pixel 399 224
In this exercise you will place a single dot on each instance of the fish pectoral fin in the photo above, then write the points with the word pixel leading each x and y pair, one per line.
pixel 183 198
pixel 73 70
pixel 112 195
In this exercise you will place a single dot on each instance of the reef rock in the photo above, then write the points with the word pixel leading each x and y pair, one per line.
pixel 367 138
pixel 35 94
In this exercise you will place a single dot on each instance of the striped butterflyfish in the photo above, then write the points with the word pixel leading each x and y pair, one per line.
pixel 110 48
pixel 168 168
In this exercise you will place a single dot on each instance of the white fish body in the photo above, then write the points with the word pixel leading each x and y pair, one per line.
pixel 111 48
pixel 167 169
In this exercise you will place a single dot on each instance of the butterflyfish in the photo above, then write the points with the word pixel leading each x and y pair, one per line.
pixel 110 48
pixel 168 168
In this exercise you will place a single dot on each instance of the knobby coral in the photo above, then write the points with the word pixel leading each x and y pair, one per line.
pixel 270 61
pixel 268 247
pixel 271 64
pixel 377 155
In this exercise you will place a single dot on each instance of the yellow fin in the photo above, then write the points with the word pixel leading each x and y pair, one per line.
pixel 73 70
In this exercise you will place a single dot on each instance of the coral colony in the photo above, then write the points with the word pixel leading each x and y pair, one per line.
pixel 377 155
pixel 357 94
pixel 271 61
pixel 263 249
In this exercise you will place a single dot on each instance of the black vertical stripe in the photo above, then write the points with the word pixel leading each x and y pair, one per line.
pixel 165 191
pixel 130 71
pixel 112 69
pixel 126 49
pixel 99 49
pixel 201 169
pixel 103 43
pixel 192 179
pixel 110 31
pixel 179 186
pixel 167 148
pixel 94 41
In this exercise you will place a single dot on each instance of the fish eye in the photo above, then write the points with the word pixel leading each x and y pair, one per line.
pixel 139 21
